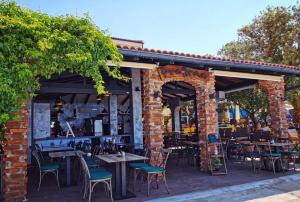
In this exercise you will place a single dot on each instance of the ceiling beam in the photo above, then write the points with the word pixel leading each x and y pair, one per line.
pixel 69 88
pixel 178 91
pixel 133 65
pixel 246 75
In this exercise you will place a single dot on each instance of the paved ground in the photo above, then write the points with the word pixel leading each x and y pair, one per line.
pixel 182 179
pixel 281 189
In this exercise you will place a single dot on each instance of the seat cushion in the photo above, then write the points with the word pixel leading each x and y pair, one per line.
pixel 266 154
pixel 99 174
pixel 290 153
pixel 49 166
pixel 152 169
pixel 138 165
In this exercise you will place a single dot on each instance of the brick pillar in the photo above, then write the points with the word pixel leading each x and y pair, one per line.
pixel 296 115
pixel 15 159
pixel 152 110
pixel 277 111
pixel 207 115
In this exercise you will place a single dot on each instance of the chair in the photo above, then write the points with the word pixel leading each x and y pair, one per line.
pixel 46 168
pixel 154 171
pixel 137 166
pixel 93 176
pixel 268 154
pixel 294 153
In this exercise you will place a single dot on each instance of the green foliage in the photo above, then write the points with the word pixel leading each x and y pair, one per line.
pixel 273 36
pixel 34 45
pixel 253 101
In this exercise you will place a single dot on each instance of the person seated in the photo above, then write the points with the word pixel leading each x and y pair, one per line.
pixel 265 128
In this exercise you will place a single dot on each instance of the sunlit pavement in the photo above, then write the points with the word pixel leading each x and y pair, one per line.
pixel 281 189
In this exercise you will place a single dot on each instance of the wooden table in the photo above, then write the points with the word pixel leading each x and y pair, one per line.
pixel 67 155
pixel 120 178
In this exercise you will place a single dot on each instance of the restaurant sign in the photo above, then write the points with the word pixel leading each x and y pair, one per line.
pixel 180 72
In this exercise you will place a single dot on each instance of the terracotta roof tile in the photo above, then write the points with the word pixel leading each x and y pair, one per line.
pixel 209 57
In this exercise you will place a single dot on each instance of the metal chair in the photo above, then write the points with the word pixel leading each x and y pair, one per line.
pixel 154 171
pixel 137 166
pixel 93 176
pixel 46 168
pixel 268 154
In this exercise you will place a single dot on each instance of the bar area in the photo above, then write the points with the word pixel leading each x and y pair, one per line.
pixel 68 112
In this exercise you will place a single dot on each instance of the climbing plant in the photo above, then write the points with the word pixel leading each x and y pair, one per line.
pixel 34 45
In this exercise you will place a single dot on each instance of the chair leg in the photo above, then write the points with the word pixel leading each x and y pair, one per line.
pixel 165 181
pixel 110 190
pixel 90 191
pixel 57 180
pixel 273 165
pixel 40 182
pixel 134 179
pixel 148 184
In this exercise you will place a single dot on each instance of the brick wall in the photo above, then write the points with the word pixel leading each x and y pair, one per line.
pixel 152 108
pixel 278 113
pixel 15 159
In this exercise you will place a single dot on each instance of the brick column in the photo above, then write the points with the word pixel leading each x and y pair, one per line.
pixel 207 115
pixel 277 111
pixel 152 110
pixel 15 159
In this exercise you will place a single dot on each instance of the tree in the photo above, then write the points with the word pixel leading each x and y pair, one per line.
pixel 34 45
pixel 253 101
pixel 273 36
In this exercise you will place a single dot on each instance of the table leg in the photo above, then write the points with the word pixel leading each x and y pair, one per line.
pixel 123 176
pixel 68 158
pixel 118 179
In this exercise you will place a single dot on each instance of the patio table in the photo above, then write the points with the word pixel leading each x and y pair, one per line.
pixel 120 178
pixel 67 155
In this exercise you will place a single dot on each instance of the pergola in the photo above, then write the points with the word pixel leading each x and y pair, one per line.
pixel 156 71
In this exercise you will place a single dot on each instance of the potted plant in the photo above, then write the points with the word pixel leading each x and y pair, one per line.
pixel 217 163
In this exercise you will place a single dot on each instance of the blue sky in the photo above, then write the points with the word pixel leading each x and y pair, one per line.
pixel 192 26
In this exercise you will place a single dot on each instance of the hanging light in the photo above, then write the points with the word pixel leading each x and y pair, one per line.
pixel 57 107
pixel 106 94
pixel 59 102
pixel 99 97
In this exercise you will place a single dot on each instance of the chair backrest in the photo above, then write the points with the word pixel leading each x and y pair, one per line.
pixel 212 138
pixel 37 158
pixel 242 132
pixel 228 132
pixel 39 151
pixel 266 135
pixel 165 155
pixel 255 136
pixel 266 145
pixel 84 165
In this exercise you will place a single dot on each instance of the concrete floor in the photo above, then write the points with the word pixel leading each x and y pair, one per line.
pixel 281 189
pixel 181 179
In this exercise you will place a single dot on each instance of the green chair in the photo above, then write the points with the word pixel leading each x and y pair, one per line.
pixel 93 176
pixel 291 155
pixel 46 168
pixel 269 155
pixel 138 165
pixel 151 172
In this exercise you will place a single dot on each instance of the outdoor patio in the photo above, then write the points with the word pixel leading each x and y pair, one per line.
pixel 181 179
